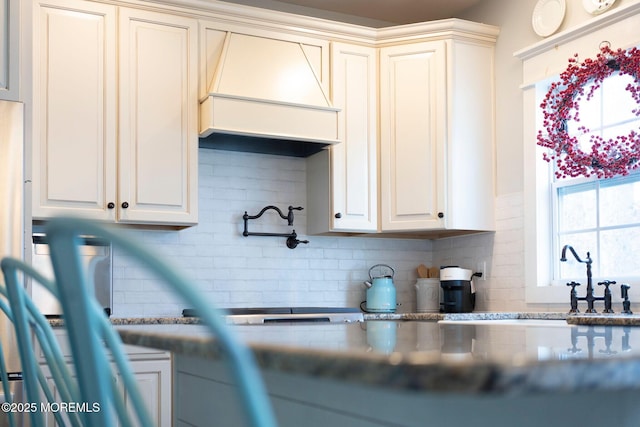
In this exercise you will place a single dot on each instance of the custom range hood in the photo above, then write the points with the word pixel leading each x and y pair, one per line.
pixel 265 97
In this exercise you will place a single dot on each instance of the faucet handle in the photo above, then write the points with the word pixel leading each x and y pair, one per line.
pixel 293 241
pixel 607 295
pixel 574 297
pixel 607 283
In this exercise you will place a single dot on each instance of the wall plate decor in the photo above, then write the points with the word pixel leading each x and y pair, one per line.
pixel 596 7
pixel 547 16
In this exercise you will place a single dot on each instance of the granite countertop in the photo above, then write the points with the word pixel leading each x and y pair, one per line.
pixel 522 353
pixel 604 319
pixel 170 320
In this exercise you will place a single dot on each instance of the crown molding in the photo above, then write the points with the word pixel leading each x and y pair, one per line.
pixel 322 28
pixel 601 21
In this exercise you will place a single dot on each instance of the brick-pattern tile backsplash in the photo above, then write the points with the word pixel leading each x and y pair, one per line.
pixel 235 271
pixel 503 252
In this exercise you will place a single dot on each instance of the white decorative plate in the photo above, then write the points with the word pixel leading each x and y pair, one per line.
pixel 596 7
pixel 547 16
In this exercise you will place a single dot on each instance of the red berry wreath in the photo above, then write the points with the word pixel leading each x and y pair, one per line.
pixel 606 158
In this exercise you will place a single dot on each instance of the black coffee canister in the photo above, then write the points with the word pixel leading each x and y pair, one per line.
pixel 457 290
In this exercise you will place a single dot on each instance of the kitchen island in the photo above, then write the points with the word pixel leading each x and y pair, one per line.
pixel 405 373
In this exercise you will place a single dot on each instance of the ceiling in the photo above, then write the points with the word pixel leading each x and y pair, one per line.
pixel 389 11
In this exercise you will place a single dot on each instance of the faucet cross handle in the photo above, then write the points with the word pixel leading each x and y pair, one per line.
pixel 607 283
pixel 607 295
pixel 573 285
pixel 574 297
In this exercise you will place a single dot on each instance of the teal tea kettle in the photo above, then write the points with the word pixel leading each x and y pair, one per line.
pixel 381 293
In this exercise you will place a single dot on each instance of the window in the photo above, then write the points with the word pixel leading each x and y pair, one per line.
pixel 599 216
pixel 542 61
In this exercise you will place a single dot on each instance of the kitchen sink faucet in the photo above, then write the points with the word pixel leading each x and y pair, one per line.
pixel 589 298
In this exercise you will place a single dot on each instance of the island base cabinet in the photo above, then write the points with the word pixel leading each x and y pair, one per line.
pixel 150 367
pixel 204 395
pixel 154 383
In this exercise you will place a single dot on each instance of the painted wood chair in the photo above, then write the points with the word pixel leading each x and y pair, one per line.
pixel 4 377
pixel 4 374
pixel 30 324
pixel 83 319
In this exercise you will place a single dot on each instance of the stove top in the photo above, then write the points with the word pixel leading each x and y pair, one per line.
pixel 264 315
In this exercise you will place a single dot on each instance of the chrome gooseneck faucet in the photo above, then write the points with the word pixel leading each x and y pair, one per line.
pixel 589 298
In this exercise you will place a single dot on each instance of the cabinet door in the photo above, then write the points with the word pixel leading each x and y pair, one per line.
pixel 154 383
pixel 413 109
pixel 354 178
pixel 74 91
pixel 158 118
pixel 153 378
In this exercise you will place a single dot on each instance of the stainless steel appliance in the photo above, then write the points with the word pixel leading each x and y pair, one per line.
pixel 11 231
pixel 97 261
pixel 265 315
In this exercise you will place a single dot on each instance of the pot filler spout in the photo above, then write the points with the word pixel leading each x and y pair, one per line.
pixel 265 96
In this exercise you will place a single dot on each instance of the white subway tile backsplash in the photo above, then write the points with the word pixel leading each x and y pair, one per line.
pixel 233 270
pixel 237 271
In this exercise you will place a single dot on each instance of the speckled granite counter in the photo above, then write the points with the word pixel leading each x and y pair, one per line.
pixel 461 357
pixel 465 316
pixel 604 319
pixel 370 316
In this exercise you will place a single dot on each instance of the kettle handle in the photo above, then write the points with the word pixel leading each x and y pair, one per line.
pixel 393 272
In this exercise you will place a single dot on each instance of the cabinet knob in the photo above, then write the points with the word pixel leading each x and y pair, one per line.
pixel 440 215
pixel 125 205
pixel 338 215
pixel 111 205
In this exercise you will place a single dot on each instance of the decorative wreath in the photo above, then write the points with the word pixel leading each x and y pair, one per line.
pixel 607 158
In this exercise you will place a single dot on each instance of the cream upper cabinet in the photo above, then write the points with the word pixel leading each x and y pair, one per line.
pixel 412 104
pixel 342 181
pixel 115 114
pixel 436 136
pixel 158 121
pixel 74 109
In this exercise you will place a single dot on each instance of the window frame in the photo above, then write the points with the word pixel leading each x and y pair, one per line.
pixel 541 62
pixel 595 252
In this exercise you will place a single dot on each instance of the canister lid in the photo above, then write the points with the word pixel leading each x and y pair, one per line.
pixel 454 273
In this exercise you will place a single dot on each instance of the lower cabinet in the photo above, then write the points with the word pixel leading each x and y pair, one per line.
pixel 154 382
pixel 207 397
pixel 152 369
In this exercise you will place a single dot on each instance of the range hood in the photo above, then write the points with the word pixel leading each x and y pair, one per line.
pixel 266 97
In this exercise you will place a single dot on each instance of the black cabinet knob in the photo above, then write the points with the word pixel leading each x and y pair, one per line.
pixel 338 215
pixel 125 205
pixel 440 215
pixel 111 205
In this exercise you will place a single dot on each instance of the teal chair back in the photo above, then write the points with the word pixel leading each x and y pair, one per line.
pixel 4 377
pixel 31 325
pixel 83 318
